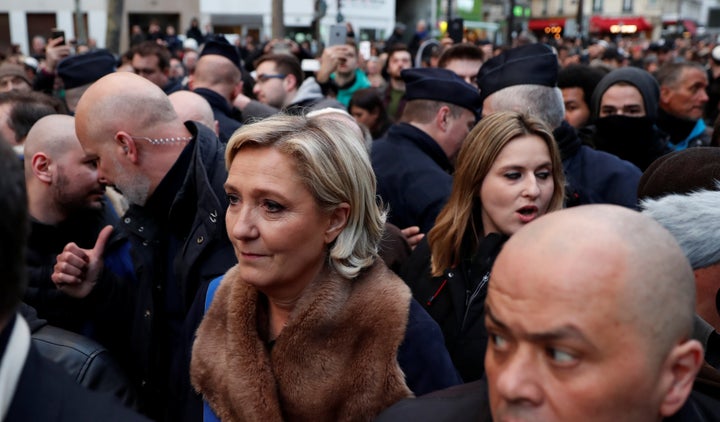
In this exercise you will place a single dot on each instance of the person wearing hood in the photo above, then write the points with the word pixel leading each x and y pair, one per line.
pixel 625 109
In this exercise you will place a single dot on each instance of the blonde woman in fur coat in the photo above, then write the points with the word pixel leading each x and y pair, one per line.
pixel 309 325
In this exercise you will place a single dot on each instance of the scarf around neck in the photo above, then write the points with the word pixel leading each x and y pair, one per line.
pixel 336 359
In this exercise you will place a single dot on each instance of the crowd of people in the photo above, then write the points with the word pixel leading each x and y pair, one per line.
pixel 197 230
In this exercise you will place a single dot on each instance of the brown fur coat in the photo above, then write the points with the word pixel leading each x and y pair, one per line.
pixel 335 360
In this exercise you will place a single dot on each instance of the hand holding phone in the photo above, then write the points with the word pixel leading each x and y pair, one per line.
pixel 58 33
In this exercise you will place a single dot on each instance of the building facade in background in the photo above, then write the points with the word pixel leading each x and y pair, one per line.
pixel 20 20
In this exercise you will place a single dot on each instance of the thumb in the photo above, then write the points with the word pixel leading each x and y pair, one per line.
pixel 102 240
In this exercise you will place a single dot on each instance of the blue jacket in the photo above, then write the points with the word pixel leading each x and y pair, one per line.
pixel 413 176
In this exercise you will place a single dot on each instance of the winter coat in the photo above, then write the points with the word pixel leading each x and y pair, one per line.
pixel 456 300
pixel 413 176
pixel 163 311
pixel 338 357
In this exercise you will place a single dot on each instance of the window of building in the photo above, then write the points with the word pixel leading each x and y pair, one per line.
pixel 39 24
pixel 597 5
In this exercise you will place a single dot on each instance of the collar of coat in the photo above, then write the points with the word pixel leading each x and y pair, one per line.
pixel 336 359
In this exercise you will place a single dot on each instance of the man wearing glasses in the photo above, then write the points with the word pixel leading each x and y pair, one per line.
pixel 280 86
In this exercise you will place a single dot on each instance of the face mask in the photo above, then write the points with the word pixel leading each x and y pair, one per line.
pixel 630 138
pixel 623 133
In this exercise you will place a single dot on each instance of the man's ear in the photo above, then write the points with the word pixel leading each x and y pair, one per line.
pixel 191 82
pixel 290 82
pixel 42 167
pixel 441 118
pixel 338 220
pixel 237 89
pixel 665 93
pixel 679 372
pixel 126 146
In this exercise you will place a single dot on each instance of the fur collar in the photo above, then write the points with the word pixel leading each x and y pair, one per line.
pixel 336 359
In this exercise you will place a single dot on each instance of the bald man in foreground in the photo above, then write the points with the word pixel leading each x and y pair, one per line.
pixel 589 314
pixel 67 204
pixel 172 174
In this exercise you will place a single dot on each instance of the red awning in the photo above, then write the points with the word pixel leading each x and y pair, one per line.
pixel 619 25
pixel 541 24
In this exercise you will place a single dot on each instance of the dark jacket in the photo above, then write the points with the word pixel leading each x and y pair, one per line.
pixel 44 244
pixel 173 85
pixel 222 111
pixel 413 176
pixel 175 254
pixel 469 403
pixel 45 392
pixel 89 363
pixel 456 301
pixel 595 177
pixel 466 402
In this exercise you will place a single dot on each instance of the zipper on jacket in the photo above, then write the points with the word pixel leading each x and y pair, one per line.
pixel 470 298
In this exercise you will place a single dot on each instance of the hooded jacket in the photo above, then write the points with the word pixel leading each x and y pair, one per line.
pixel 636 139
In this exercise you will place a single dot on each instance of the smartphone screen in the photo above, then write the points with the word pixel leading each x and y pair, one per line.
pixel 365 49
pixel 456 29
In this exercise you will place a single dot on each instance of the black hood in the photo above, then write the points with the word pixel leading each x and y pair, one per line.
pixel 640 79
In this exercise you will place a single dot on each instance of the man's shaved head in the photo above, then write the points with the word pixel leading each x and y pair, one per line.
pixel 60 178
pixel 588 306
pixel 217 73
pixel 191 106
pixel 121 101
pixel 53 134
pixel 622 247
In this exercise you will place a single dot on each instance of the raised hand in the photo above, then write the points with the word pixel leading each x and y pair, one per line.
pixel 77 270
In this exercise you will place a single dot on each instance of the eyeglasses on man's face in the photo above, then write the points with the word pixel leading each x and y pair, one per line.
pixel 262 78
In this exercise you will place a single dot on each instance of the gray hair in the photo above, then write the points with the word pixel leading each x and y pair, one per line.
pixel 542 102
pixel 690 218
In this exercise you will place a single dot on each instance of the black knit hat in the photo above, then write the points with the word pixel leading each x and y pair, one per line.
pixel 532 64
pixel 429 83
pixel 86 68
pixel 221 47
pixel 681 172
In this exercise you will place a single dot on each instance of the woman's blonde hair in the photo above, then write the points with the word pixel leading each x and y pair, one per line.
pixel 459 224
pixel 332 163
